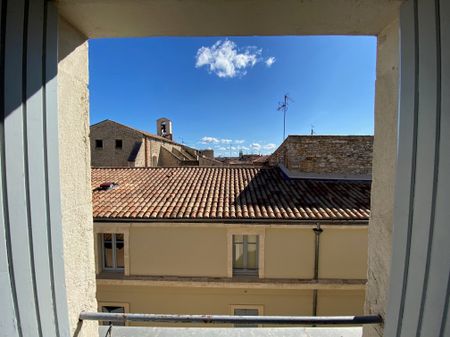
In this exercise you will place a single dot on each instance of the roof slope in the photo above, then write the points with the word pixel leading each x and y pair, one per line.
pixel 144 133
pixel 223 193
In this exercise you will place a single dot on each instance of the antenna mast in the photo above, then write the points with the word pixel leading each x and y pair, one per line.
pixel 283 106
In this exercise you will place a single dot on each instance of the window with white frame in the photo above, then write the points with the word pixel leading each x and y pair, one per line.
pixel 245 255
pixel 113 251
pixel 113 309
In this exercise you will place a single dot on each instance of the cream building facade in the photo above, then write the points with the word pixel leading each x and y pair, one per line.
pixel 229 245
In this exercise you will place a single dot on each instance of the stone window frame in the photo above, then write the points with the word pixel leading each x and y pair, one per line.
pixel 261 244
pixel 258 307
pixel 114 267
pixel 245 271
pixel 111 229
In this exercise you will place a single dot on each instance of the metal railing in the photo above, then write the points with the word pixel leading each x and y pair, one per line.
pixel 221 319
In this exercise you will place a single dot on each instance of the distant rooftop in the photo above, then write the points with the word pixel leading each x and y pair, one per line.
pixel 144 133
pixel 223 193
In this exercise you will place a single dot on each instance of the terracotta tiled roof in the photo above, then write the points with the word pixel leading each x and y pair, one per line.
pixel 224 193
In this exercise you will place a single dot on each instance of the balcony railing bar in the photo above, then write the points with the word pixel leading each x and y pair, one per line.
pixel 215 319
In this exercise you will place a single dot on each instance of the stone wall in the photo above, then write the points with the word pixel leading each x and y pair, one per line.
pixel 109 156
pixel 168 159
pixel 208 153
pixel 326 154
pixel 204 161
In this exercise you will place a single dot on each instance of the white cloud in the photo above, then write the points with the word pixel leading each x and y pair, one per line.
pixel 269 146
pixel 226 141
pixel 225 59
pixel 269 61
pixel 239 141
pixel 209 140
pixel 255 146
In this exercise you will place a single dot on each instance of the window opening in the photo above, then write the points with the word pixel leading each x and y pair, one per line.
pixel 115 310
pixel 119 144
pixel 245 255
pixel 245 312
pixel 113 252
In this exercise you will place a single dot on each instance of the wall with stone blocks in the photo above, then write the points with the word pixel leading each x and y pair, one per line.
pixel 109 156
pixel 326 154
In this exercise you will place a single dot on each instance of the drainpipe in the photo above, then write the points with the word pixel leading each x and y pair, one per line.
pixel 317 232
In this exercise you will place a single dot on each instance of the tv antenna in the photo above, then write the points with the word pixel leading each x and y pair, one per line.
pixel 283 106
pixel 312 130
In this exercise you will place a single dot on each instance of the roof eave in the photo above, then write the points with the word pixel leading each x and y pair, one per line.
pixel 355 222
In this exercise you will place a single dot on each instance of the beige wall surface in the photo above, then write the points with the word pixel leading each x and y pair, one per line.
pixel 74 155
pixel 166 300
pixel 289 253
pixel 343 253
pixel 179 251
pixel 340 302
pixel 202 250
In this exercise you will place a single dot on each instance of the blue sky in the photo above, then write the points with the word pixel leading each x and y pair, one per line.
pixel 223 93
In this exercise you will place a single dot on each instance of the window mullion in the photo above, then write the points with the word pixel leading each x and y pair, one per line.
pixel 257 253
pixel 233 252
pixel 113 237
pixel 103 252
pixel 245 249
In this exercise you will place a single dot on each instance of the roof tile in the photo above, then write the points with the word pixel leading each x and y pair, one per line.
pixel 225 193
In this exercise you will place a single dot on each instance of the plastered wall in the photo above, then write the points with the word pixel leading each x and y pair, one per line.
pixel 340 302
pixel 179 251
pixel 343 253
pixel 383 174
pixel 73 110
pixel 167 300
pixel 289 253
pixel 203 250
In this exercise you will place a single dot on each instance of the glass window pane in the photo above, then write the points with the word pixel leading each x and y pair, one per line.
pixel 252 238
pixel 119 251
pixel 238 262
pixel 252 256
pixel 238 238
pixel 246 312
pixel 107 251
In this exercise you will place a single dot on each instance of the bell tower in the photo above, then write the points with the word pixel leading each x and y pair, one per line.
pixel 164 128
